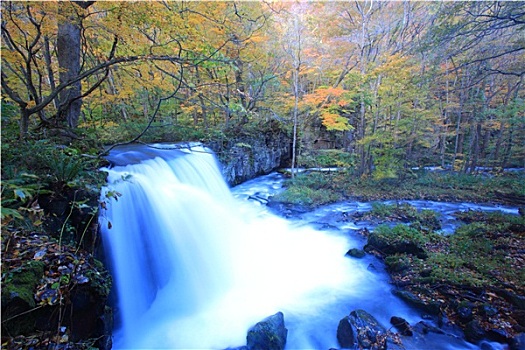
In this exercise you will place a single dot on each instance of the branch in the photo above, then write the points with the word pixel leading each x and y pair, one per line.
pixel 156 110
pixel 89 72
pixel 12 94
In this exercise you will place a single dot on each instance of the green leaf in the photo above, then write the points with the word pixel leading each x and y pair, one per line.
pixel 8 212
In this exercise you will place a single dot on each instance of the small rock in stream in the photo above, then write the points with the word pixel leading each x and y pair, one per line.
pixel 401 325
pixel 356 253
pixel 474 332
pixel 360 329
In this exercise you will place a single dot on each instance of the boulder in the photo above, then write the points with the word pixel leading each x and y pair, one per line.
pixel 518 342
pixel 356 253
pixel 269 334
pixel 465 311
pixel 56 288
pixel 474 332
pixel 17 297
pixel 393 245
pixel 401 325
pixel 249 155
pixel 424 328
pixel 361 330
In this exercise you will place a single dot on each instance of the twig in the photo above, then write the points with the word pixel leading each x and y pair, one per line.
pixel 23 313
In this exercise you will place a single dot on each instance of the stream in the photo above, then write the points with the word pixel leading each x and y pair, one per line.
pixel 196 264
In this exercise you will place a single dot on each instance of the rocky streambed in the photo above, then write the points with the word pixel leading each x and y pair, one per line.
pixel 457 266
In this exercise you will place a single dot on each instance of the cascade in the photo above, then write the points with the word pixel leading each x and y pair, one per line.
pixel 195 267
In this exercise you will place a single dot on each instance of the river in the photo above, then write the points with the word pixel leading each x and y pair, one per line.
pixel 196 264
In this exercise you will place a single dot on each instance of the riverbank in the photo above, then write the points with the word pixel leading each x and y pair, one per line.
pixel 313 188
pixel 471 278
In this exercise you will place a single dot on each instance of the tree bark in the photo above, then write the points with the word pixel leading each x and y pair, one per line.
pixel 68 52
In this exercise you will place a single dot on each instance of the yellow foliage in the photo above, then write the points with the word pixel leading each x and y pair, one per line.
pixel 333 121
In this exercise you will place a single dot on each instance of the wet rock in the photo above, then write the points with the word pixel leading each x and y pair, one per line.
pixel 391 345
pixel 401 325
pixel 362 330
pixel 518 342
pixel 464 311
pixel 286 209
pixel 390 246
pixel 356 253
pixel 517 300
pixel 499 335
pixel 424 328
pixel 248 156
pixel 488 310
pixel 65 289
pixel 431 307
pixel 474 332
pixel 519 316
pixel 269 334
pixel 486 346
pixel 17 297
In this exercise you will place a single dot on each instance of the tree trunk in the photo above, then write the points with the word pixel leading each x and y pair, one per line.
pixel 68 50
pixel 295 113
pixel 475 148
pixel 68 53
pixel 508 150
pixel 50 75
pixel 497 148
pixel 24 123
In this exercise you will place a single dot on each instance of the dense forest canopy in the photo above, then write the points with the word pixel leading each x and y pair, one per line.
pixel 397 84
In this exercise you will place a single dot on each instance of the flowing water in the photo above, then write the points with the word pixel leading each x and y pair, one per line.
pixel 196 264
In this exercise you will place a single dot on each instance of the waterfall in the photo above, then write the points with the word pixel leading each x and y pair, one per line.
pixel 194 267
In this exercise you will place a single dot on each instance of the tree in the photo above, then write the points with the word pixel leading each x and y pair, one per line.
pixel 26 31
pixel 69 54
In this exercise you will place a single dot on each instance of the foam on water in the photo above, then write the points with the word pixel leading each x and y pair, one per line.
pixel 195 268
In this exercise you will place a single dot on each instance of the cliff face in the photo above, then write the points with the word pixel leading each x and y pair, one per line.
pixel 247 156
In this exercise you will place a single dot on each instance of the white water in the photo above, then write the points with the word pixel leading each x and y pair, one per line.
pixel 195 268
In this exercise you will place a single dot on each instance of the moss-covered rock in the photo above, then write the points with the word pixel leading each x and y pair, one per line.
pixel 473 277
pixel 356 253
pixel 18 297
pixel 269 334
pixel 21 282
pixel 400 239
pixel 53 293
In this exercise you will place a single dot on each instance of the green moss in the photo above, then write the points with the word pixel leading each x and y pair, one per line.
pixel 99 278
pixel 307 196
pixel 422 185
pixel 21 283
pixel 398 262
pixel 326 158
pixel 403 233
